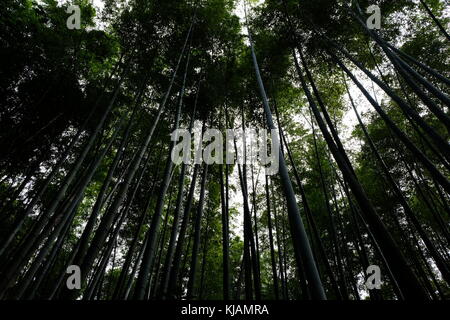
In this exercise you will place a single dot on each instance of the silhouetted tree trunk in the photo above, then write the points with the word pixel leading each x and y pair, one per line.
pixel 400 267
pixel 441 28
pixel 302 247
pixel 176 265
pixel 196 243
pixel 176 215
pixel 147 259
pixel 272 249
pixel 409 213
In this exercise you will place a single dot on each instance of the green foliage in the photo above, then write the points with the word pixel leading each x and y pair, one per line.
pixel 52 78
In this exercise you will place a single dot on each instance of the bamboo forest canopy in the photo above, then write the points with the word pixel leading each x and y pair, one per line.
pixel 92 206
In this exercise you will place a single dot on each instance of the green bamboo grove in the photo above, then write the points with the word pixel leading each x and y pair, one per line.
pixel 94 207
